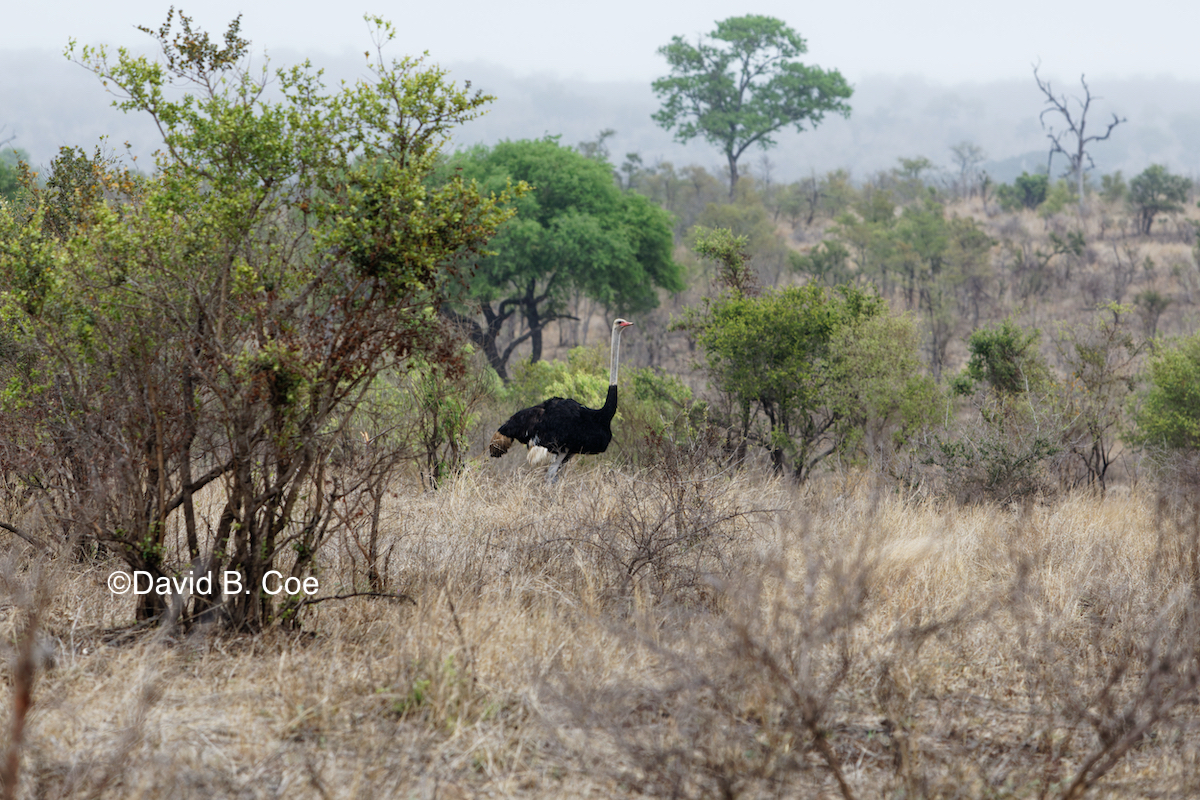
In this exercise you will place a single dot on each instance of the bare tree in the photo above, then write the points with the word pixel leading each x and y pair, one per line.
pixel 1076 127
pixel 7 140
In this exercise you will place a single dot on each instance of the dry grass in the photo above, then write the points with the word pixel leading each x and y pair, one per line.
pixel 675 634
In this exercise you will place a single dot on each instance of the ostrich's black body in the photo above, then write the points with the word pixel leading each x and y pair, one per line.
pixel 561 427
pixel 564 427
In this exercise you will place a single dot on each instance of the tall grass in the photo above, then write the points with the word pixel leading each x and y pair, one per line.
pixel 673 632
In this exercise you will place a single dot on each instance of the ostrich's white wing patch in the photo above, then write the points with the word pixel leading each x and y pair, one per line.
pixel 539 456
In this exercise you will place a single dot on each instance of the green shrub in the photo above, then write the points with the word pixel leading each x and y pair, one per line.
pixel 1169 414
pixel 10 172
pixel 1001 452
pixel 1005 358
pixel 1027 191
pixel 1061 195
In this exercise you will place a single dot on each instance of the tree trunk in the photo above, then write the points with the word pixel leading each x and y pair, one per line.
pixel 535 337
pixel 534 318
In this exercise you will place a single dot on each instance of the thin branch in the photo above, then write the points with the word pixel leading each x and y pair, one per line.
pixel 385 595
pixel 11 529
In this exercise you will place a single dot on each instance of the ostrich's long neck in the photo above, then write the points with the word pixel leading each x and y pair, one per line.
pixel 616 355
pixel 610 402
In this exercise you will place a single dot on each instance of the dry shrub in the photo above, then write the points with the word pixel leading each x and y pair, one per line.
pixel 838 664
pixel 665 535
pixel 826 640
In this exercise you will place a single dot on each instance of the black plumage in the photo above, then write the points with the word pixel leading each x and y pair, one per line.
pixel 562 427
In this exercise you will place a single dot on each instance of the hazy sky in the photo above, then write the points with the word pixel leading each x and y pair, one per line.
pixel 944 40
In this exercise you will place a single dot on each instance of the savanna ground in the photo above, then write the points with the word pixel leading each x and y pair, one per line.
pixel 681 631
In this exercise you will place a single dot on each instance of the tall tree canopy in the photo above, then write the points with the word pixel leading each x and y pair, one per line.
pixel 741 86
pixel 575 232
pixel 1155 192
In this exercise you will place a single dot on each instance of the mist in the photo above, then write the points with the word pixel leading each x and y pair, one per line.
pixel 48 102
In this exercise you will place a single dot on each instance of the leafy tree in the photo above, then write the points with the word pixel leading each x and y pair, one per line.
pixel 742 86
pixel 574 232
pixel 1060 194
pixel 1169 414
pixel 825 263
pixel 10 173
pixel 1000 452
pixel 933 260
pixel 829 195
pixel 1150 305
pixel 1006 359
pixel 878 386
pixel 800 358
pixel 215 324
pixel 968 156
pixel 1155 192
pixel 767 250
pixel 1027 191
pixel 911 168
pixel 1113 187
pixel 729 252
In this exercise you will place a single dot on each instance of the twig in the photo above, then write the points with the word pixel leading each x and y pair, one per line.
pixel 386 595
pixel 40 545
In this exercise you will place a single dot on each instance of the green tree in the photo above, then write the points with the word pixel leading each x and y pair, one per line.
pixel 1027 191
pixel 1113 187
pixel 575 231
pixel 767 249
pixel 217 323
pixel 1169 414
pixel 742 86
pixel 808 361
pixel 10 173
pixel 933 260
pixel 1155 192
pixel 1000 452
pixel 729 251
pixel 829 195
pixel 1005 358
pixel 825 263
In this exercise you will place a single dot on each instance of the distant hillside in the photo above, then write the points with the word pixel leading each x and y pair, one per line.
pixel 49 102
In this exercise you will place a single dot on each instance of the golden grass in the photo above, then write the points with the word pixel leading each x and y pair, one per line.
pixel 682 635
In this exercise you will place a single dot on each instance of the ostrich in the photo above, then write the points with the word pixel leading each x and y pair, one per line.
pixel 560 427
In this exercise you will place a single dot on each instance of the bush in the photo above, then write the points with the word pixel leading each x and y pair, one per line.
pixel 1005 358
pixel 1169 415
pixel 1001 453
pixel 1027 191
pixel 1000 457
pixel 1058 197
pixel 1113 187
pixel 825 263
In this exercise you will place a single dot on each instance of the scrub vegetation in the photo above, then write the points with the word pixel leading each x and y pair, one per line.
pixel 903 497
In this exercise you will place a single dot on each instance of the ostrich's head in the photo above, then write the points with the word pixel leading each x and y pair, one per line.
pixel 621 323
